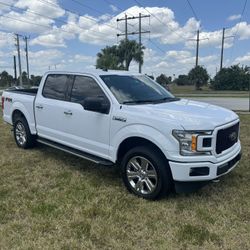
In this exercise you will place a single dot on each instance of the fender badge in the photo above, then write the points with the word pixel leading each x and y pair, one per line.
pixel 119 118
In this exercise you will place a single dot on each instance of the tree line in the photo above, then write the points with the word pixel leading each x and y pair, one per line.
pixel 7 80
pixel 119 57
pixel 231 78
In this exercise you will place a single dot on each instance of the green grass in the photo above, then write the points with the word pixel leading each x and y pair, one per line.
pixel 52 200
pixel 189 91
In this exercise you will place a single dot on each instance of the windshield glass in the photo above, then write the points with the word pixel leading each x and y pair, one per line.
pixel 136 89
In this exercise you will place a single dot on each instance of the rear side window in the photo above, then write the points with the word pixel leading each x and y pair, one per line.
pixel 55 87
pixel 83 87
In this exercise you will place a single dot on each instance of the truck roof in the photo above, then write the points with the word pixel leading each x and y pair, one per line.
pixel 95 72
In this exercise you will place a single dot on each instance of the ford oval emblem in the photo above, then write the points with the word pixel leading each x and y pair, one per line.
pixel 233 136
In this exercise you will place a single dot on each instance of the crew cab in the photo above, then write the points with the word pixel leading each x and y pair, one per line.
pixel 118 118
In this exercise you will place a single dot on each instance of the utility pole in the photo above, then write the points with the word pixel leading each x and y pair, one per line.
pixel 222 47
pixel 197 47
pixel 19 59
pixel 126 34
pixel 140 40
pixel 15 75
pixel 126 27
pixel 27 58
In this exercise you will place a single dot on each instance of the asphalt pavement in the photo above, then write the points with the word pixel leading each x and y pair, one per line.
pixel 233 103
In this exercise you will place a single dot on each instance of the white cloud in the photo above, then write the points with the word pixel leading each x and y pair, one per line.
pixel 213 38
pixel 113 8
pixel 36 16
pixel 4 8
pixel 234 17
pixel 42 59
pixel 243 59
pixel 51 8
pixel 6 39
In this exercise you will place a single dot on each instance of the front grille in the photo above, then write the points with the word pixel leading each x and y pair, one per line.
pixel 226 138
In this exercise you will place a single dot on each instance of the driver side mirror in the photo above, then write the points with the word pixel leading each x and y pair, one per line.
pixel 97 104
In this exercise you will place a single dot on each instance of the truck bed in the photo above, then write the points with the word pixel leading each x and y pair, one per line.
pixel 32 92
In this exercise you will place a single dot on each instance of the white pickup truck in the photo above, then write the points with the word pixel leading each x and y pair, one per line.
pixel 158 141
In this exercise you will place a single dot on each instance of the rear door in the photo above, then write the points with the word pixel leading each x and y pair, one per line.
pixel 50 106
pixel 87 130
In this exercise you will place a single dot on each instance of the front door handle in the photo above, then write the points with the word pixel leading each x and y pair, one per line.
pixel 39 106
pixel 68 113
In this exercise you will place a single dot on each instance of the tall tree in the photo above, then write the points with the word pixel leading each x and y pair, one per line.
pixel 119 57
pixel 163 79
pixel 199 76
pixel 5 79
pixel 109 58
pixel 129 50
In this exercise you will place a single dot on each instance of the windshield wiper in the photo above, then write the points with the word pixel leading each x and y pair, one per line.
pixel 170 99
pixel 138 101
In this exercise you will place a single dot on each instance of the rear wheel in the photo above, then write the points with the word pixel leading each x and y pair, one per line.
pixel 24 139
pixel 146 173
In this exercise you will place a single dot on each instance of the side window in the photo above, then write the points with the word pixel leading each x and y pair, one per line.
pixel 83 87
pixel 55 87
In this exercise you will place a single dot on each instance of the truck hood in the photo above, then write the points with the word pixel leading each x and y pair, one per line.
pixel 191 115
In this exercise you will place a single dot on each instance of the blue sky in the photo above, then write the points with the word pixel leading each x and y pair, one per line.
pixel 67 34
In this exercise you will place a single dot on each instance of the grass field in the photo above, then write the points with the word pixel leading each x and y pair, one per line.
pixel 189 91
pixel 52 200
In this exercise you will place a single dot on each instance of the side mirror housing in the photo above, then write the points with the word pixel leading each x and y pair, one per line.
pixel 97 104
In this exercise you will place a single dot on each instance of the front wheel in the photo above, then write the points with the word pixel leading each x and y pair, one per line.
pixel 24 139
pixel 146 172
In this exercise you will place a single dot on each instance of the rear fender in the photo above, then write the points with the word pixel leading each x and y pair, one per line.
pixel 29 117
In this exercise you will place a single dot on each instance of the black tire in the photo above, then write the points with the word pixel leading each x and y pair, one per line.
pixel 157 166
pixel 21 127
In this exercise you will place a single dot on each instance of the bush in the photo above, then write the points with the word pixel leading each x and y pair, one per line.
pixel 233 78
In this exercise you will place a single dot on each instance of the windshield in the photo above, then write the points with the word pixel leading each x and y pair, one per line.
pixel 136 89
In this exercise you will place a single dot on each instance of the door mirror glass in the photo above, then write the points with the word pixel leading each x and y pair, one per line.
pixel 96 104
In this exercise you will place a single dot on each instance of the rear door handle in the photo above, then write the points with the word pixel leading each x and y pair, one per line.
pixel 39 106
pixel 68 113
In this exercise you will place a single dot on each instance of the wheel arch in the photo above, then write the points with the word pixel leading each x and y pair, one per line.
pixel 18 109
pixel 135 141
pixel 17 113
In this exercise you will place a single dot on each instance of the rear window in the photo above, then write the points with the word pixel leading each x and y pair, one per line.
pixel 55 87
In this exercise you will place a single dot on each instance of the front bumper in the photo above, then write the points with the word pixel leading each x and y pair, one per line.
pixel 203 171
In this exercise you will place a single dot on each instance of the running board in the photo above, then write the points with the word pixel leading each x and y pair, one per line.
pixel 76 152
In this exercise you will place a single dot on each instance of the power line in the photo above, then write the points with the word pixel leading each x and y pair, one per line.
pixel 89 7
pixel 192 9
pixel 237 30
pixel 59 20
pixel 159 20
pixel 77 14
pixel 108 2
pixel 140 32
pixel 156 45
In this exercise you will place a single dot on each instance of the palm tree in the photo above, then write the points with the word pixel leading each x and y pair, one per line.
pixel 130 50
pixel 119 57
pixel 109 58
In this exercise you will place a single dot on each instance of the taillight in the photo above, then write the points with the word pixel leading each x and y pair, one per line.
pixel 2 103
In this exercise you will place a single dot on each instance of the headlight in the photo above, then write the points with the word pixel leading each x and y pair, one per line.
pixel 188 141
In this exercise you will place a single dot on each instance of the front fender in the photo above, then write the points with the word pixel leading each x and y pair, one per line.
pixel 163 142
